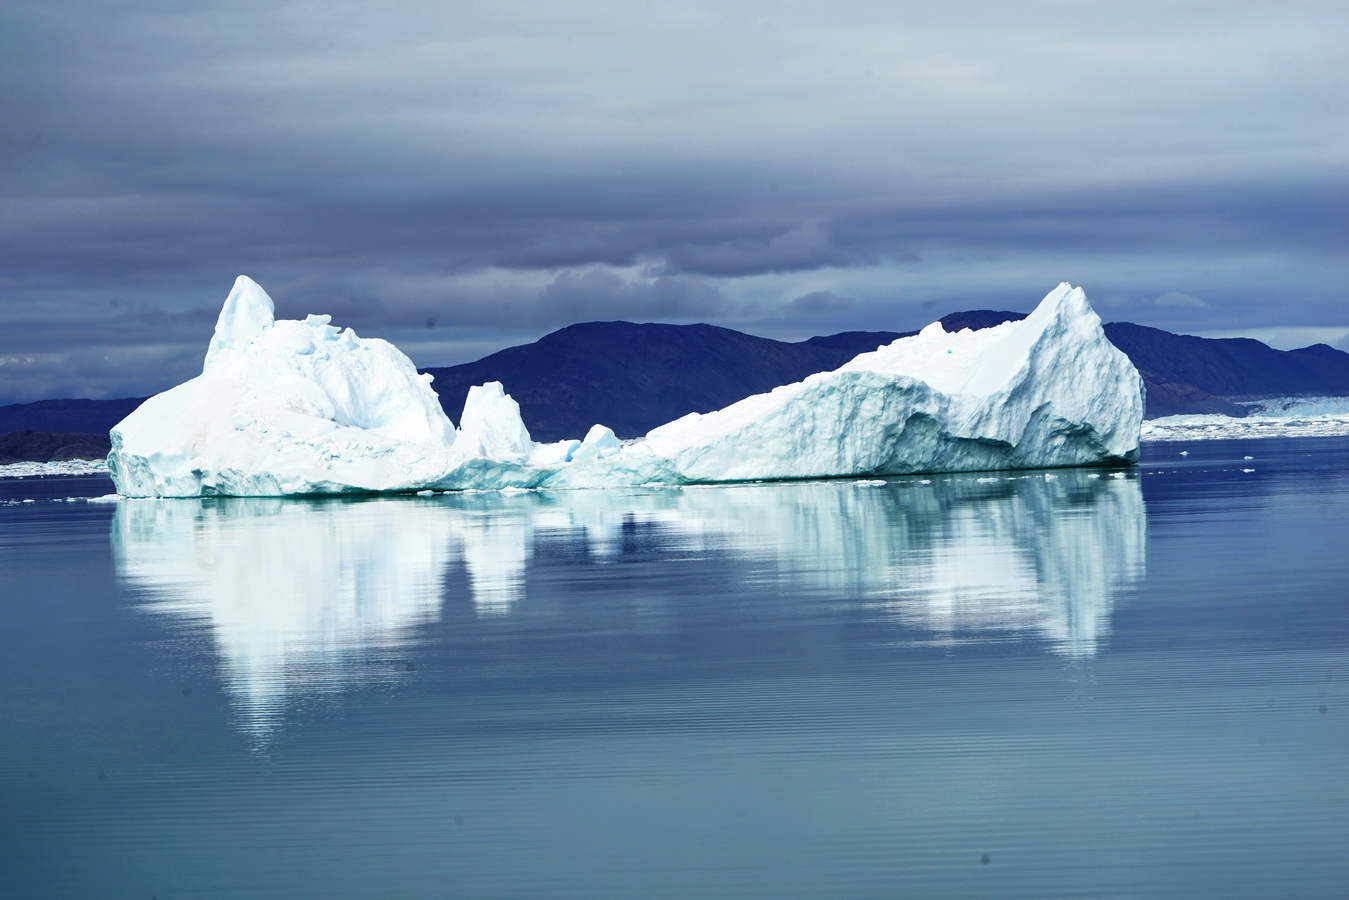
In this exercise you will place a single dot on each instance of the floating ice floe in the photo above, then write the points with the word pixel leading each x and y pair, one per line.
pixel 1216 427
pixel 301 407
pixel 55 467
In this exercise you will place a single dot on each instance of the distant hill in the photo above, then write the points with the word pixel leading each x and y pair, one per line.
pixel 634 377
pixel 46 446
pixel 1187 374
pixel 79 416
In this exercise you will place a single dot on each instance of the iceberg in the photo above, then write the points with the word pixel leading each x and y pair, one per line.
pixel 301 407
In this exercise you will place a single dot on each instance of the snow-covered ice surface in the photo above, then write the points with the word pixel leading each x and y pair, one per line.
pixel 61 467
pixel 283 408
pixel 287 408
pixel 1196 428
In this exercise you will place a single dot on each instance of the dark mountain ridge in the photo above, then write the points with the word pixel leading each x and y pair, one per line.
pixel 69 416
pixel 48 446
pixel 633 377
pixel 1188 374
pixel 630 377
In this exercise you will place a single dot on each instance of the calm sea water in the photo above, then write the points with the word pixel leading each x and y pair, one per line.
pixel 1011 685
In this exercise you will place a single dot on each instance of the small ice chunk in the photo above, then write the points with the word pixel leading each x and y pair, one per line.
pixel 600 443
pixel 603 439
pixel 491 426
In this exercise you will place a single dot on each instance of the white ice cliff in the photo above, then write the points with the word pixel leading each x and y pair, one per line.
pixel 287 407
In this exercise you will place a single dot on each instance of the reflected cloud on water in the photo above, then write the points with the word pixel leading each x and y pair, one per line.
pixel 300 595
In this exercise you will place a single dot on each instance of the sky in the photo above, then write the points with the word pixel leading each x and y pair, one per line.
pixel 461 177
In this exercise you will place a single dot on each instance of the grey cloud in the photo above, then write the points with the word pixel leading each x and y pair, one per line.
pixel 1198 218
pixel 805 246
pixel 350 305
pixel 602 294
pixel 110 372
pixel 71 325
pixel 1167 301
pixel 819 302
pixel 386 162
pixel 1177 298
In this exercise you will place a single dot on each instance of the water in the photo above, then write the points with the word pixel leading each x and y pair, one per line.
pixel 959 686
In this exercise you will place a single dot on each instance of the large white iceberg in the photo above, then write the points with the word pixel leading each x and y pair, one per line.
pixel 289 408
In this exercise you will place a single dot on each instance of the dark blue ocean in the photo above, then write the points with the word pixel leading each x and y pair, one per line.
pixel 1080 684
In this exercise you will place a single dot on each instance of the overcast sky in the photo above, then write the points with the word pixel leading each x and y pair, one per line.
pixel 461 177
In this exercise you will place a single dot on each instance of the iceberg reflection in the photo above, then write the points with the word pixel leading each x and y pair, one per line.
pixel 304 597
pixel 295 594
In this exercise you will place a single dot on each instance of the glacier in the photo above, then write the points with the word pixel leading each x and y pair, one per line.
pixel 286 408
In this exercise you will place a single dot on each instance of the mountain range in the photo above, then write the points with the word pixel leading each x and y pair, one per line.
pixel 633 377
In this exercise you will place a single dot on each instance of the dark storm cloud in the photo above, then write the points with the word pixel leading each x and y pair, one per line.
pixel 788 167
